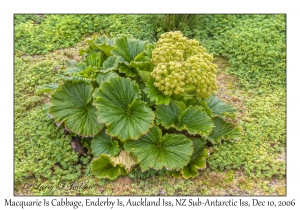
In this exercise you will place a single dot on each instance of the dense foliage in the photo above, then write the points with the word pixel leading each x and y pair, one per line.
pixel 23 18
pixel 187 23
pixel 254 44
pixel 33 157
pixel 260 153
pixel 38 35
pixel 243 39
pixel 107 92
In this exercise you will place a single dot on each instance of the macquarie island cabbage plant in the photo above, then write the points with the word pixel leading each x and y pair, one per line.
pixel 142 104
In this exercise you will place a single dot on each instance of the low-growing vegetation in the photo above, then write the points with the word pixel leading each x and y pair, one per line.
pixel 239 149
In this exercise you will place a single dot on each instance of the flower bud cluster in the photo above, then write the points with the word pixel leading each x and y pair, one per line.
pixel 180 64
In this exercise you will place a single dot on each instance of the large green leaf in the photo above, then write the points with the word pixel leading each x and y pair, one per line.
pixel 109 64
pixel 47 88
pixel 145 75
pixel 101 77
pixel 46 109
pixel 126 49
pixel 155 94
pixel 78 73
pixel 181 105
pixel 146 55
pixel 104 40
pixel 144 95
pixel 142 65
pixel 220 108
pixel 83 72
pixel 199 146
pixel 192 119
pixel 75 79
pixel 104 44
pixel 195 121
pixel 198 159
pixel 172 151
pixel 129 71
pixel 89 72
pixel 120 109
pixel 168 115
pixel 104 167
pixel 224 130
pixel 103 144
pixel 189 171
pixel 143 60
pixel 95 59
pixel 71 104
pixel 75 69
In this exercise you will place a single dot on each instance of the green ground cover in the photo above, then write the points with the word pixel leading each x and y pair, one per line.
pixel 253 80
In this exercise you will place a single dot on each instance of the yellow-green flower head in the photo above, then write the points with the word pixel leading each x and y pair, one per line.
pixel 183 66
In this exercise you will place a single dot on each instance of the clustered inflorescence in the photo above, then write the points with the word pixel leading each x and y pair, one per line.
pixel 183 66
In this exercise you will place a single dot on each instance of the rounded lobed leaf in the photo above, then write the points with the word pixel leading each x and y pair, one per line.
pixel 199 146
pixel 168 115
pixel 125 49
pixel 71 104
pixel 144 96
pixel 47 88
pixel 103 167
pixel 181 105
pixel 192 119
pixel 120 109
pixel 95 59
pixel 172 151
pixel 101 77
pixel 129 71
pixel 198 160
pixel 220 108
pixel 224 130
pixel 195 121
pixel 75 69
pixel 118 92
pixel 103 144
pixel 189 171
pixel 109 64
pixel 104 44
pixel 145 75
pixel 200 163
pixel 142 65
pixel 142 61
